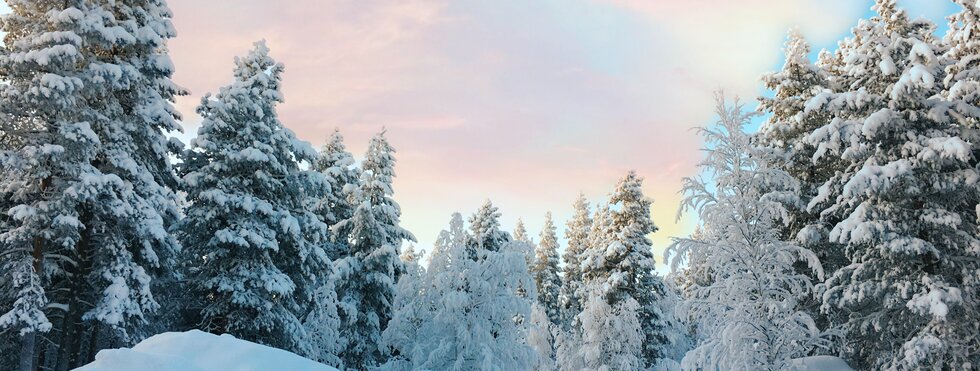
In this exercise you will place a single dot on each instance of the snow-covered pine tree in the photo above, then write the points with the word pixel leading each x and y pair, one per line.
pixel 621 262
pixel 255 248
pixel 786 132
pixel 962 81
pixel 748 311
pixel 545 270
pixel 322 324
pixel 524 243
pixel 569 340
pixel 567 343
pixel 367 277
pixel 599 237
pixel 466 308
pixel 24 300
pixel 677 330
pixel 87 98
pixel 612 334
pixel 21 290
pixel 540 338
pixel 455 235
pixel 412 305
pixel 577 233
pixel 520 233
pixel 485 233
pixel 337 165
pixel 785 128
pixel 416 300
pixel 906 204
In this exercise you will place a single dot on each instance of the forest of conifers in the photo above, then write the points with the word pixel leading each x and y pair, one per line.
pixel 846 226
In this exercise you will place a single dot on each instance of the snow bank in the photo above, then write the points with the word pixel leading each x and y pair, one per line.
pixel 821 363
pixel 199 351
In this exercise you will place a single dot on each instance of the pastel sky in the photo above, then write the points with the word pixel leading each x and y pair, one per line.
pixel 526 103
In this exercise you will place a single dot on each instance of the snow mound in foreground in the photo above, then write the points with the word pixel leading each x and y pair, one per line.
pixel 821 363
pixel 199 351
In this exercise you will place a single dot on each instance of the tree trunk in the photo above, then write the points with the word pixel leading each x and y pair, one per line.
pixel 67 332
pixel 29 341
pixel 76 331
pixel 93 343
pixel 71 339
pixel 27 352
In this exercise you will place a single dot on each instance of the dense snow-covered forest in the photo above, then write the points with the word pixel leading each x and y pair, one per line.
pixel 846 226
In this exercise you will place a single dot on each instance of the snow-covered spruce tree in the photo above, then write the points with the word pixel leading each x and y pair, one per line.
pixel 545 270
pixel 786 128
pixel 415 299
pixel 748 313
pixel 87 98
pixel 621 263
pixel 410 308
pixel 367 277
pixel 962 81
pixel 612 335
pixel 520 233
pixel 336 164
pixel 485 233
pixel 466 308
pixel 256 249
pixel 567 343
pixel 321 325
pixel 455 235
pixel 905 205
pixel 24 299
pixel 524 243
pixel 577 233
pixel 677 331
pixel 569 340
pixel 540 338
pixel 21 291
pixel 786 132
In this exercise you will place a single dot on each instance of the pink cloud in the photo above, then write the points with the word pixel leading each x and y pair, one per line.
pixel 527 103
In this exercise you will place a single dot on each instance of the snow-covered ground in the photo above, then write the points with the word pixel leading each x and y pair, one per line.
pixel 821 363
pixel 199 351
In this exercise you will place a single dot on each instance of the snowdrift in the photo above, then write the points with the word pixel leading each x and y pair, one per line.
pixel 199 351
pixel 821 363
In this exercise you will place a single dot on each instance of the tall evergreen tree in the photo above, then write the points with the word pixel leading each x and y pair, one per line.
pixel 545 270
pixel 620 265
pixel 523 242
pixel 485 233
pixel 612 335
pixel 462 314
pixel 748 310
pixel 412 306
pixel 337 165
pixel 520 233
pixel 905 205
pixel 540 338
pixel 577 234
pixel 322 323
pixel 962 81
pixel 786 131
pixel 366 278
pixel 87 98
pixel 625 263
pixel 256 249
